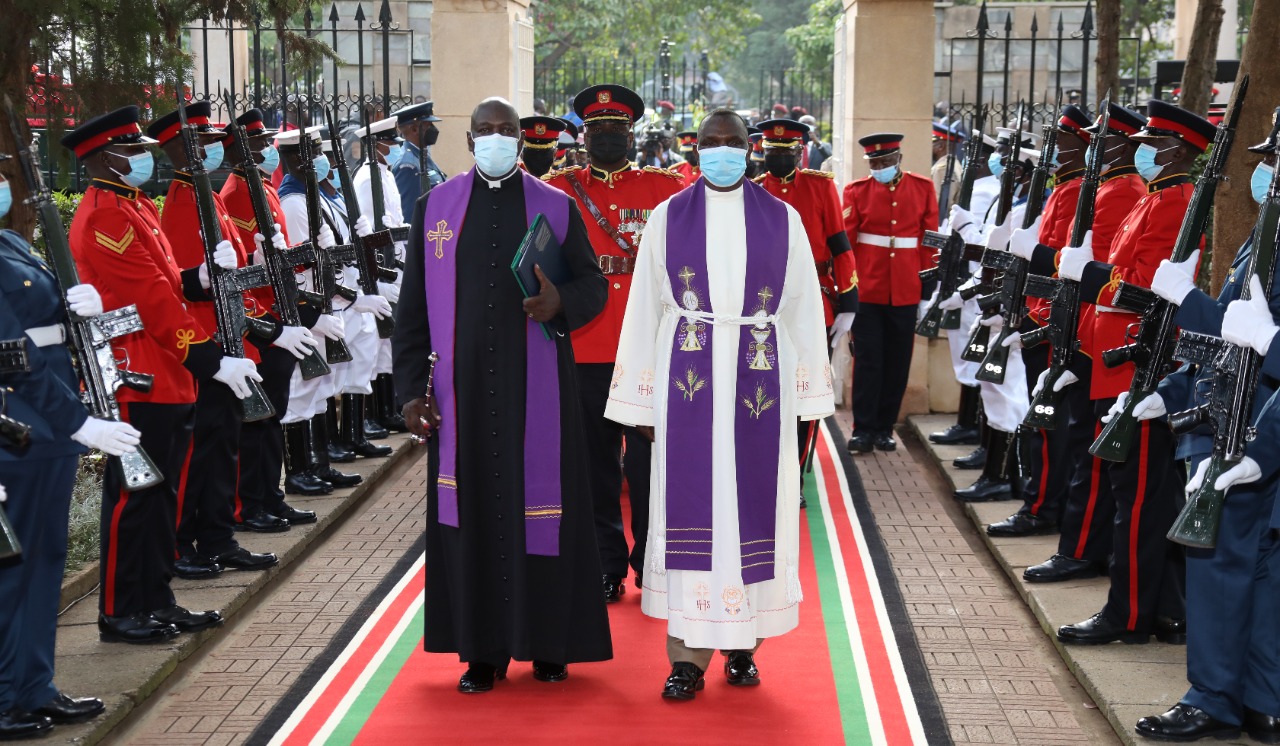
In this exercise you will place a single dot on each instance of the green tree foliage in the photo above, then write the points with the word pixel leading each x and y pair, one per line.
pixel 814 40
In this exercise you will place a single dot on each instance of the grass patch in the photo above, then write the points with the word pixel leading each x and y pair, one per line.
pixel 83 539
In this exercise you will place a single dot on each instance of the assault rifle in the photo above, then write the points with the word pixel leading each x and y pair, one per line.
pixel 88 339
pixel 1152 348
pixel 1062 331
pixel 279 264
pixel 378 197
pixel 13 359
pixel 327 261
pixel 226 286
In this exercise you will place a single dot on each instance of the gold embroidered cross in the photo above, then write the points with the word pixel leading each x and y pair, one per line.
pixel 439 235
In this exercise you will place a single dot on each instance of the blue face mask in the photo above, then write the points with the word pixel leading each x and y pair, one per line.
pixel 496 154
pixel 1259 183
pixel 334 181
pixel 321 162
pixel 886 174
pixel 141 168
pixel 1054 163
pixel 6 199
pixel 394 154
pixel 723 166
pixel 995 164
pixel 1144 159
pixel 213 153
pixel 270 160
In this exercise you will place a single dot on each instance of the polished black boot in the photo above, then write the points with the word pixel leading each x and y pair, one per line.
pixel 65 710
pixel 998 474
pixel 333 439
pixel 299 479
pixel 1182 722
pixel 480 678
pixel 320 462
pixel 685 681
pixel 373 430
pixel 352 429
pixel 17 725
pixel 965 432
pixel 978 458
pixel 387 413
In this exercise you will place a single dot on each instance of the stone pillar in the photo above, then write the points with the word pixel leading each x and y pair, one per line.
pixel 886 75
pixel 1184 19
pixel 479 48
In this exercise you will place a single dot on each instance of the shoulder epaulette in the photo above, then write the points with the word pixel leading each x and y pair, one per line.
pixel 757 179
pixel 663 171
pixel 816 172
pixel 560 172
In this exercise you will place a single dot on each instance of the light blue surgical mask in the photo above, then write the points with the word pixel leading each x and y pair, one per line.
pixel 1054 163
pixel 6 198
pixel 995 164
pixel 321 162
pixel 270 160
pixel 1144 159
pixel 394 153
pixel 496 154
pixel 886 174
pixel 334 179
pixel 723 166
pixel 1259 183
pixel 142 166
pixel 213 153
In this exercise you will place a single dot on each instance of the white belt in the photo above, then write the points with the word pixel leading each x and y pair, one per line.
pixel 1109 309
pixel 47 336
pixel 717 319
pixel 888 242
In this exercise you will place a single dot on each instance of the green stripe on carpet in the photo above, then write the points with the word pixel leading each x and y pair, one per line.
pixel 376 688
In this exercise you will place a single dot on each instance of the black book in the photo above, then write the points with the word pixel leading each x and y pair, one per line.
pixel 540 247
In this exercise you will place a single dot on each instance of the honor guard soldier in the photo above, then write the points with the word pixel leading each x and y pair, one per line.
pixel 206 504
pixel 38 477
pixel 120 250
pixel 688 168
pixel 541 135
pixel 885 216
pixel 616 198
pixel 566 144
pixel 755 159
pixel 417 125
pixel 1146 595
pixel 1232 592
pixel 947 141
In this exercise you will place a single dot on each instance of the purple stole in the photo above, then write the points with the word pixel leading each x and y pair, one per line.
pixel 443 224
pixel 690 412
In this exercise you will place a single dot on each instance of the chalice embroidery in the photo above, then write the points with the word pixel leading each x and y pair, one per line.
pixel 760 349
pixel 689 300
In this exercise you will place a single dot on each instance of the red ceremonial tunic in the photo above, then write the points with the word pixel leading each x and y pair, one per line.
pixel 687 171
pixel 813 195
pixel 624 198
pixel 889 272
pixel 119 249
pixel 235 195
pixel 1055 230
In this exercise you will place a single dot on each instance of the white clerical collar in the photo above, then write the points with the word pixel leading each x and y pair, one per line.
pixel 496 183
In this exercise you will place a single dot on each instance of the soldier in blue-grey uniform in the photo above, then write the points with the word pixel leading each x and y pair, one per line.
pixel 417 125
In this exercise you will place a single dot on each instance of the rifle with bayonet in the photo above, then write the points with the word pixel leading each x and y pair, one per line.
pixel 280 264
pixel 367 248
pixel 1062 329
pixel 326 268
pixel 944 194
pixel 88 339
pixel 226 286
pixel 1232 392
pixel 378 196
pixel 1152 348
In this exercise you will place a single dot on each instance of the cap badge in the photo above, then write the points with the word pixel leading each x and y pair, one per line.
pixel 540 129
pixel 604 97
pixel 779 130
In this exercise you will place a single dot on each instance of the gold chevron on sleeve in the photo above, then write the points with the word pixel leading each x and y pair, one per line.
pixel 117 245
pixel 245 225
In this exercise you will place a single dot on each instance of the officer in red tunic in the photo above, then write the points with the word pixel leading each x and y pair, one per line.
pixel 1147 572
pixel 615 198
pixel 688 168
pixel 206 523
pixel 119 249
pixel 541 135
pixel 885 216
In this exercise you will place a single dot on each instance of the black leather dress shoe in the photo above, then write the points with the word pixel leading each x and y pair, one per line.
pixel 1183 722
pixel 1170 630
pixel 373 430
pixel 550 672
pixel 975 460
pixel 956 435
pixel 339 454
pixel 338 478
pixel 64 710
pixel 17 724
pixel 1060 567
pixel 242 559
pixel 365 449
pixel 740 668
pixel 187 621
pixel 861 443
pixel 885 442
pixel 614 588
pixel 985 489
pixel 1098 630
pixel 684 682
pixel 196 568
pixel 479 678
pixel 138 629
pixel 306 484
pixel 1022 524
pixel 263 522
pixel 1260 727
pixel 394 423
pixel 294 516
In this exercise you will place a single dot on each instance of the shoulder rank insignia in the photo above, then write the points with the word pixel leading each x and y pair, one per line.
pixel 757 179
pixel 244 225
pixel 663 171
pixel 816 172
pixel 118 245
pixel 560 172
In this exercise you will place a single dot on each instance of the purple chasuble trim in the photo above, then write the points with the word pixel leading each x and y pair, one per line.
pixel 443 224
pixel 757 401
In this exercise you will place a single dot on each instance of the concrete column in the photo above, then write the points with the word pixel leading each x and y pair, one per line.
pixel 1184 20
pixel 479 48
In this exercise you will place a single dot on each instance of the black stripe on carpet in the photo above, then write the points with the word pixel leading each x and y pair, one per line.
pixel 316 669
pixel 926 699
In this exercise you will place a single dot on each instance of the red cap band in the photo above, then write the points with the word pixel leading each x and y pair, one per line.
pixel 1188 134
pixel 103 138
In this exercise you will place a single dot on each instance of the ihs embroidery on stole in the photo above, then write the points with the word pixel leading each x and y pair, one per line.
pixel 703 592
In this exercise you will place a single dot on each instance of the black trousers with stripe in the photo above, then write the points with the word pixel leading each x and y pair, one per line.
pixel 1047 459
pixel 205 493
pixel 883 340
pixel 262 442
pixel 1089 509
pixel 138 527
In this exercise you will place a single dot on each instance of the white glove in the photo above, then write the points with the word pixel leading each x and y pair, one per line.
pixel 329 326
pixel 389 291
pixel 998 238
pixel 374 304
pixel 363 226
pixel 110 437
pixel 922 309
pixel 389 222
pixel 1174 280
pixel 278 239
pixel 3 495
pixel 1147 409
pixel 1066 379
pixel 84 300
pixel 1013 341
pixel 995 322
pixel 842 324
pixel 1248 323
pixel 235 372
pixel 1244 472
pixel 296 340
pixel 1023 242
pixel 954 303
pixel 326 238
pixel 960 217
pixel 224 255
pixel 1073 259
